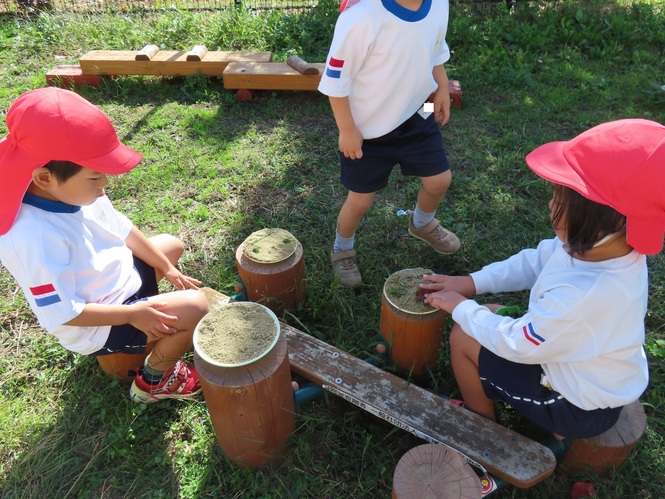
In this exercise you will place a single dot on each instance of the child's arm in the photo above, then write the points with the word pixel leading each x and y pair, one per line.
pixel 144 249
pixel 143 315
pixel 350 138
pixel 442 95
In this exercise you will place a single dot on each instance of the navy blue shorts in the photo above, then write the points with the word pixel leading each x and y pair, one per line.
pixel 519 385
pixel 416 145
pixel 126 338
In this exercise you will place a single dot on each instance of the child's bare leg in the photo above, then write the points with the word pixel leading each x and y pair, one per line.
pixel 352 212
pixel 464 352
pixel 432 191
pixel 171 246
pixel 189 306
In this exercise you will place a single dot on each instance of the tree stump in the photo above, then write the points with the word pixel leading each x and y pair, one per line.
pixel 432 471
pixel 610 449
pixel 123 366
pixel 275 284
pixel 251 407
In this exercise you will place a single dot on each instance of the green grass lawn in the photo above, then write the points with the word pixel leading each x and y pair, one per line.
pixel 216 170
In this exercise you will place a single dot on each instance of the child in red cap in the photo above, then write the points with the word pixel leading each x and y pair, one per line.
pixel 576 357
pixel 89 275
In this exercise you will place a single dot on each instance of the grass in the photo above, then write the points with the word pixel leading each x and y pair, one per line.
pixel 216 170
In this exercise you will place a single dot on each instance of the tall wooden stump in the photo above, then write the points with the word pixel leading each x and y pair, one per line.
pixel 610 449
pixel 276 281
pixel 251 407
pixel 414 336
pixel 432 471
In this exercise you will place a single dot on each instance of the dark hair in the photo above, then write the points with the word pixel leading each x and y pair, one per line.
pixel 62 170
pixel 586 222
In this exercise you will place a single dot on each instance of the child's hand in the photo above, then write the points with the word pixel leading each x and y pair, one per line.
pixel 180 280
pixel 463 285
pixel 350 143
pixel 148 317
pixel 445 300
pixel 442 106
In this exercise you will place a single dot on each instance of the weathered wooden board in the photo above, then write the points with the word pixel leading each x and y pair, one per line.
pixel 270 76
pixel 504 453
pixel 163 63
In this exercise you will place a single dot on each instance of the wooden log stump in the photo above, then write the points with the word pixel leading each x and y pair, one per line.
pixel 251 407
pixel 275 284
pixel 414 337
pixel 302 66
pixel 609 450
pixel 123 366
pixel 432 471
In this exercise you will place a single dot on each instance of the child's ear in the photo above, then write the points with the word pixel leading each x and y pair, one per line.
pixel 42 178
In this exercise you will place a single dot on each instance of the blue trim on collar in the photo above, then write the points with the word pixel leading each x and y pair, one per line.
pixel 48 205
pixel 405 14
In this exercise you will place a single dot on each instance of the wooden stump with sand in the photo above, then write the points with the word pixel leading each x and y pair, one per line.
pixel 271 265
pixel 243 365
pixel 413 329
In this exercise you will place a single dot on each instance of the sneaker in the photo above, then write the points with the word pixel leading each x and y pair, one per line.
pixel 181 381
pixel 442 240
pixel 345 268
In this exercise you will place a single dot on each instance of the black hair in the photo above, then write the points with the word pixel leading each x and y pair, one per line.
pixel 586 222
pixel 62 170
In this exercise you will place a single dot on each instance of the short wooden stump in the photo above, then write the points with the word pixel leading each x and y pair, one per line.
pixel 432 471
pixel 414 338
pixel 278 285
pixel 123 366
pixel 251 407
pixel 610 449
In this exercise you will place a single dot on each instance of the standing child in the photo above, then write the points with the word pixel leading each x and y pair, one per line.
pixel 88 274
pixel 576 357
pixel 385 60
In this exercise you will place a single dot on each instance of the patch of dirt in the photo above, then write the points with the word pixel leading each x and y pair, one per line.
pixel 402 291
pixel 269 246
pixel 236 333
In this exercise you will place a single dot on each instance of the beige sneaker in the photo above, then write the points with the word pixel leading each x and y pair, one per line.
pixel 345 268
pixel 442 240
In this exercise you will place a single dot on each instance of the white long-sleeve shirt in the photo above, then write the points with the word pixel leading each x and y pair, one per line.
pixel 584 325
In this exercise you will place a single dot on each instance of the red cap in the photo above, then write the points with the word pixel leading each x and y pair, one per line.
pixel 619 164
pixel 55 124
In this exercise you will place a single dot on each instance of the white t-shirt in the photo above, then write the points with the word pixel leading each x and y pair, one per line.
pixel 381 57
pixel 584 325
pixel 65 256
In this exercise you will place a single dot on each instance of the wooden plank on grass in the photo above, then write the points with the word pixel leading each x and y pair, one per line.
pixel 270 76
pixel 504 453
pixel 163 63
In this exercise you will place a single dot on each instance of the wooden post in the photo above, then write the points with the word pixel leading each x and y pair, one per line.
pixel 610 449
pixel 146 53
pixel 414 339
pixel 302 66
pixel 251 407
pixel 276 285
pixel 432 471
pixel 123 366
pixel 197 53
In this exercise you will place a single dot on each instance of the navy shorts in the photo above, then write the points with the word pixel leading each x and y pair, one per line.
pixel 519 385
pixel 416 145
pixel 126 338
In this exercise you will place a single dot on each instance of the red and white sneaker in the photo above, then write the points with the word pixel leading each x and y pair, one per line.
pixel 179 382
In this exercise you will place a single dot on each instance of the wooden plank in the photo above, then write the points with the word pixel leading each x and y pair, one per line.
pixel 163 63
pixel 270 76
pixel 504 453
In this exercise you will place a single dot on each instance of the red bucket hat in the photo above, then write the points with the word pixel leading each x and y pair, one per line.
pixel 619 164
pixel 55 124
